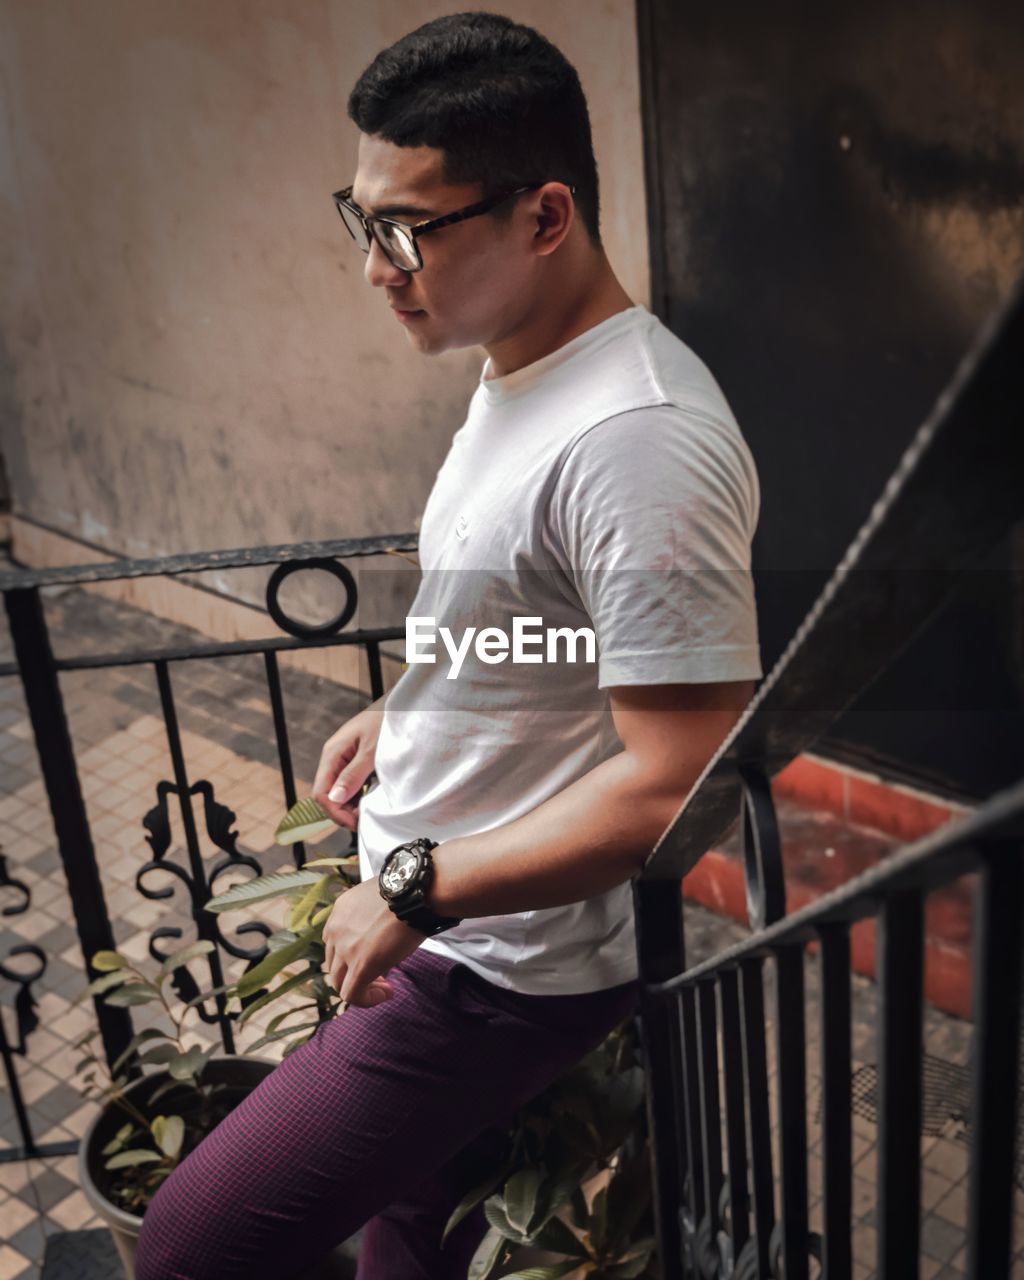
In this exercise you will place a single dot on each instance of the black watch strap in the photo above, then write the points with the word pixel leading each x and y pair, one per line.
pixel 412 906
pixel 422 917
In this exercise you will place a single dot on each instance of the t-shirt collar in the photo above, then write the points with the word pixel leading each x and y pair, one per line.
pixel 496 390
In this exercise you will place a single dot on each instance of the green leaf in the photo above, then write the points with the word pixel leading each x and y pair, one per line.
pixel 169 1133
pixel 161 1053
pixel 494 1212
pixel 351 860
pixel 282 988
pixel 492 1250
pixel 271 965
pixel 178 958
pixel 520 1197
pixel 599 1218
pixel 472 1198
pixel 263 887
pixel 105 961
pixel 133 993
pixel 140 1038
pixel 280 1035
pixel 168 1086
pixel 298 916
pixel 209 994
pixel 630 1194
pixel 187 1064
pixel 279 1018
pixel 109 980
pixel 297 1044
pixel 118 1140
pixel 127 1158
pixel 304 820
pixel 552 1272
pixel 559 1238
pixel 560 1185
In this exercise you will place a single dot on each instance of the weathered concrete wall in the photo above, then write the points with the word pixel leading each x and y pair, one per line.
pixel 190 357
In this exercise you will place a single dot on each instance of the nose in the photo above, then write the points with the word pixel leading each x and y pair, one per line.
pixel 380 270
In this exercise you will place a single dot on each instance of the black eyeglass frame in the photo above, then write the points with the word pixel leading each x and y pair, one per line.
pixel 416 229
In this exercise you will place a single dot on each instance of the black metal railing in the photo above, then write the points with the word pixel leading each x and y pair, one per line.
pixel 956 492
pixel 39 671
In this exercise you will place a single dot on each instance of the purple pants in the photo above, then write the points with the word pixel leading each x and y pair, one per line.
pixel 383 1118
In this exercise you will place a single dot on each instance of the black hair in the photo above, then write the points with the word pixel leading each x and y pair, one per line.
pixel 503 103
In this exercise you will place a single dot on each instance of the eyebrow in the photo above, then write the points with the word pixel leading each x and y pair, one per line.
pixel 400 210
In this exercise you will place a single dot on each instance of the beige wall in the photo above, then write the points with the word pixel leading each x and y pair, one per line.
pixel 191 358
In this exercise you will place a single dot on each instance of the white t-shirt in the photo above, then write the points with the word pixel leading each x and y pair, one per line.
pixel 605 485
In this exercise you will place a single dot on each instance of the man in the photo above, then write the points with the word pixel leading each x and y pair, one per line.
pixel 599 481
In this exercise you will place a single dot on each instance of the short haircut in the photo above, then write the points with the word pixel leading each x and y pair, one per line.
pixel 503 103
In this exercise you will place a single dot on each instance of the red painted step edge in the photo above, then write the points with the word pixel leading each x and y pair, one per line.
pixel 900 815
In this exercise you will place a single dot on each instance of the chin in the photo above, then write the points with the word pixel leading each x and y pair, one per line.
pixel 433 344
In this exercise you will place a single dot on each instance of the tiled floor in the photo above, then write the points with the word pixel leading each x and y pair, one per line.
pixel 122 753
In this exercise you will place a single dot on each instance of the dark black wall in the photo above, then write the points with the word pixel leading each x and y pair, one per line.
pixel 836 199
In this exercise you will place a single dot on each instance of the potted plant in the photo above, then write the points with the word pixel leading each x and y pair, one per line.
pixel 149 1122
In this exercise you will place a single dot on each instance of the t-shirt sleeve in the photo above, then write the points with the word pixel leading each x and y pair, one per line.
pixel 651 517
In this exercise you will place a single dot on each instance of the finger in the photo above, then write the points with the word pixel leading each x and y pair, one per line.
pixel 337 976
pixel 332 761
pixel 366 996
pixel 351 778
pixel 345 815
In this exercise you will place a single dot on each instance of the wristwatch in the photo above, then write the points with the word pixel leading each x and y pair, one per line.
pixel 404 879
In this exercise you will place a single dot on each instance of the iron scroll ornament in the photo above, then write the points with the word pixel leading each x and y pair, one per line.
pixel 309 631
pixel 200 884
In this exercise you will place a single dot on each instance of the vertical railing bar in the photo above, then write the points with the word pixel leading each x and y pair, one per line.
pixel 679 1112
pixel 792 1095
pixel 373 663
pixel 711 1115
pixel 735 1119
pixel 29 1147
pixel 658 916
pixel 837 1144
pixel 755 1076
pixel 204 928
pixel 45 704
pixel 998 906
pixel 284 751
pixel 900 946
pixel 691 1094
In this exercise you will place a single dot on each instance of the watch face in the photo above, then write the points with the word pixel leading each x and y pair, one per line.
pixel 397 876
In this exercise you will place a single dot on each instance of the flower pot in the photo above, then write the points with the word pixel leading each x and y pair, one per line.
pixel 241 1072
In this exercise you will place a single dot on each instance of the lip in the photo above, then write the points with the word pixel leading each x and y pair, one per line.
pixel 406 316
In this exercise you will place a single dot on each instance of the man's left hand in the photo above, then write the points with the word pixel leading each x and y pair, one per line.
pixel 363 940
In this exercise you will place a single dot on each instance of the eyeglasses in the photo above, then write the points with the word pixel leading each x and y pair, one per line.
pixel 398 239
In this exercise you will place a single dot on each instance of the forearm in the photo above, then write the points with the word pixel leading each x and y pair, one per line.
pixel 591 836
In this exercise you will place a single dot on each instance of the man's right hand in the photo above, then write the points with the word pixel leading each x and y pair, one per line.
pixel 346 761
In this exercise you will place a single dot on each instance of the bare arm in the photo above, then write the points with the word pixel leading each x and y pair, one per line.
pixel 597 832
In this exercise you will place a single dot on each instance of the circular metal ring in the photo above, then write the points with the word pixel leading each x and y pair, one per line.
pixel 307 631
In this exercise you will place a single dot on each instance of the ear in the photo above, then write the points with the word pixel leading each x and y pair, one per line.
pixel 553 210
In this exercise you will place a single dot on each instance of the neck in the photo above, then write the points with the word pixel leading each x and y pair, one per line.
pixel 587 294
